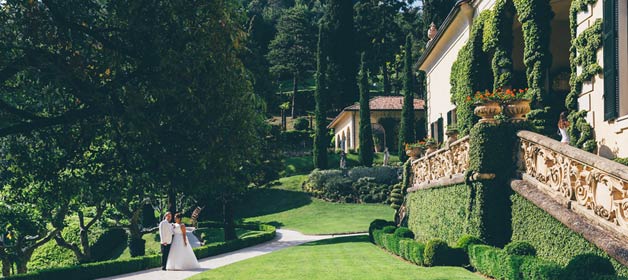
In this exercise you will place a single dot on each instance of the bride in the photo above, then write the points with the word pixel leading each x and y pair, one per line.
pixel 181 256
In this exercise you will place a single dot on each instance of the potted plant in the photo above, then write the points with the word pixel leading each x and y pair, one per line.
pixel 452 133
pixel 431 145
pixel 516 103
pixel 415 150
pixel 487 106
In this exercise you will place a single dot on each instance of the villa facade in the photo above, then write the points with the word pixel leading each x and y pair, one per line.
pixel 603 94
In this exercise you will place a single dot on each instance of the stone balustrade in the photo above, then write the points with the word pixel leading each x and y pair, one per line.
pixel 442 167
pixel 592 186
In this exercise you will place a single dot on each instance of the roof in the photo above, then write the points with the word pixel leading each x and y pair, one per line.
pixel 441 30
pixel 381 103
pixel 387 103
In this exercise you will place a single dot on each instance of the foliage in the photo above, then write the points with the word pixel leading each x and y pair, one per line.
pixel 321 97
pixel 404 232
pixel 623 161
pixel 378 224
pixel 369 191
pixel 381 174
pixel 366 132
pixel 342 65
pixel 389 229
pixel 438 253
pixel 407 133
pixel 556 242
pixel 582 54
pixel 291 52
pixel 360 184
pixel 301 124
pixel 107 242
pixel 520 248
pixel 499 95
pixel 467 240
pixel 497 39
pixel 587 266
pixel 396 197
pixel 469 74
pixel 496 263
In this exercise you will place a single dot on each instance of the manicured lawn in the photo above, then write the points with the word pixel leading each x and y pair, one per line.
pixel 338 258
pixel 287 206
pixel 305 164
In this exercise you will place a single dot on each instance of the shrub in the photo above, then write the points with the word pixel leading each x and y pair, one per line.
pixel 436 253
pixel 331 185
pixel 110 240
pixel 391 243
pixel 587 266
pixel 376 225
pixel 389 229
pixel 491 261
pixel 538 269
pixel 404 232
pixel 411 251
pixel 137 246
pixel 381 174
pixel 370 192
pixel 623 161
pixel 520 248
pixel 466 240
pixel 301 124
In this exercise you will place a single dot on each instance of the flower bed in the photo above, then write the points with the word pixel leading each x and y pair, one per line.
pixel 117 267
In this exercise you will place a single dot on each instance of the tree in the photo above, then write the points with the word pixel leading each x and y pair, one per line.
pixel 436 11
pixel 342 63
pixel 366 133
pixel 320 95
pixel 292 50
pixel 406 132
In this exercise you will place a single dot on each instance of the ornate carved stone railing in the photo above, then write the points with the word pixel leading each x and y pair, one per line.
pixel 442 167
pixel 592 186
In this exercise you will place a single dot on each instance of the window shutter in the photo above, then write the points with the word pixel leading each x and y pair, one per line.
pixel 611 79
pixel 449 117
pixel 440 130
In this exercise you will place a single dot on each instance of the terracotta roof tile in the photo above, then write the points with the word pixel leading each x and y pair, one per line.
pixel 383 103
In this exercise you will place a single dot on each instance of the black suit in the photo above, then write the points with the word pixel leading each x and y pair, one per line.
pixel 165 250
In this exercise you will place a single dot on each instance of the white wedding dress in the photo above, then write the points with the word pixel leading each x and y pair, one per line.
pixel 181 257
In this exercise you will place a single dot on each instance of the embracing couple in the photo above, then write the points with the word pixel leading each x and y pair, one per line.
pixel 176 251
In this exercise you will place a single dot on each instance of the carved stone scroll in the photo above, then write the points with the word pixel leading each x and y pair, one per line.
pixel 443 163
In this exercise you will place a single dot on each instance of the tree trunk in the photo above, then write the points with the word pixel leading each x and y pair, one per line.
pixel 283 119
pixel 386 80
pixel 22 261
pixel 6 266
pixel 295 83
pixel 172 200
pixel 228 223
pixel 135 238
pixel 84 237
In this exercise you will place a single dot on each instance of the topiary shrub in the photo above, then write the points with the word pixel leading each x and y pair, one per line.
pixel 412 251
pixel 404 232
pixel 389 229
pixel 376 225
pixel 538 269
pixel 520 248
pixel 623 161
pixel 466 240
pixel 137 246
pixel 301 124
pixel 587 266
pixel 381 174
pixel 368 191
pixel 109 241
pixel 436 253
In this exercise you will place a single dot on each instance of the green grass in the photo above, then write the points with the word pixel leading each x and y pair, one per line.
pixel 287 206
pixel 305 164
pixel 339 258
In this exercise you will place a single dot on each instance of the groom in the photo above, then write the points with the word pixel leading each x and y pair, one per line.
pixel 165 235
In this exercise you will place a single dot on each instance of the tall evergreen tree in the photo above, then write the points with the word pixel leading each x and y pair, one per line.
pixel 436 11
pixel 320 96
pixel 343 66
pixel 406 132
pixel 366 133
pixel 292 51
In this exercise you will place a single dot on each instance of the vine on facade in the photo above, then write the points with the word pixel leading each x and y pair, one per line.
pixel 498 41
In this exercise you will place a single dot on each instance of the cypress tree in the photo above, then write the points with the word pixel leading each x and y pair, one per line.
pixel 406 132
pixel 343 62
pixel 366 133
pixel 320 96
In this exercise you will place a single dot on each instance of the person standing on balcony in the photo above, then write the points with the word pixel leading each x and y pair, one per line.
pixel 563 124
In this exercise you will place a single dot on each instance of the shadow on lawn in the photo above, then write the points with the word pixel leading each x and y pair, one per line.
pixel 261 202
pixel 338 240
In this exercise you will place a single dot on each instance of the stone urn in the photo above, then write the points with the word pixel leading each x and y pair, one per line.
pixel 431 147
pixel 414 152
pixel 452 135
pixel 516 110
pixel 487 111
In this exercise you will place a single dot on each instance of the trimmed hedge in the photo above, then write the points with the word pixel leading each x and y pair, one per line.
pixel 555 242
pixel 520 248
pixel 117 267
pixel 588 266
pixel 498 264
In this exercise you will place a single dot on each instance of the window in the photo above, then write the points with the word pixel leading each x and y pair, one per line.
pixel 623 57
pixel 615 59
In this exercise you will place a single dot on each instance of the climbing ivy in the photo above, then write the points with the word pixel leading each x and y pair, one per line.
pixel 469 73
pixel 498 41
pixel 583 54
pixel 535 17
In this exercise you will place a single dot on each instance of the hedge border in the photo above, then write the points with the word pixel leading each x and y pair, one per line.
pixel 117 267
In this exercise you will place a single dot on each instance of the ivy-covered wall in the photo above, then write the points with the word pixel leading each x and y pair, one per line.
pixel 552 239
pixel 583 52
pixel 439 213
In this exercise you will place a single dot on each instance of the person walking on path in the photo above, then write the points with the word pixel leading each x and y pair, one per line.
pixel 165 238
pixel 563 124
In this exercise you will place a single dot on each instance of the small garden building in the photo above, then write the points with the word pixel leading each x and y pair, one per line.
pixel 385 120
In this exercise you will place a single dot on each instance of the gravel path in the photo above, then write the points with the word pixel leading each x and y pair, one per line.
pixel 285 238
